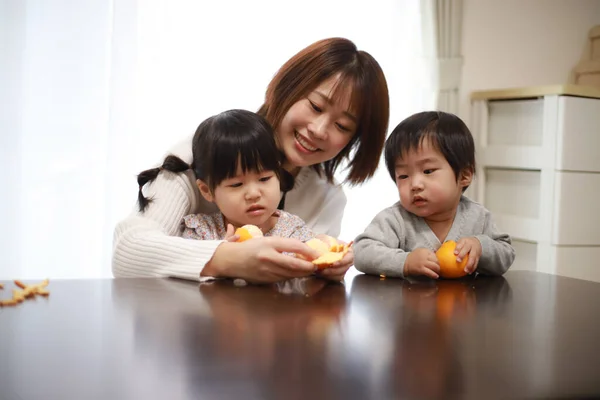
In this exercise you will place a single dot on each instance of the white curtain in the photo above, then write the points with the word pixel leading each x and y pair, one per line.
pixel 442 36
pixel 93 92
pixel 54 94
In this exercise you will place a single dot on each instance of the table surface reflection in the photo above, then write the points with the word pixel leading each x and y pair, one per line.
pixel 526 335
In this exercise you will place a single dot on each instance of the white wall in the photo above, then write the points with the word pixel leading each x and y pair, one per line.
pixel 513 43
pixel 92 92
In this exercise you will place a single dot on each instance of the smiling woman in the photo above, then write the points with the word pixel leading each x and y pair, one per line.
pixel 305 135
pixel 327 108
pixel 329 103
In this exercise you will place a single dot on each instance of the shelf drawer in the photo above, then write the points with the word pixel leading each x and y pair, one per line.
pixel 513 192
pixel 576 217
pixel 526 255
pixel 513 157
pixel 578 134
pixel 577 262
pixel 515 122
pixel 520 228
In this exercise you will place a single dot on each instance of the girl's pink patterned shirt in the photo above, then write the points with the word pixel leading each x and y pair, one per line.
pixel 212 227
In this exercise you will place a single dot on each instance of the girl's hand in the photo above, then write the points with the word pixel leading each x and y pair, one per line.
pixel 230 236
pixel 472 247
pixel 339 268
pixel 260 260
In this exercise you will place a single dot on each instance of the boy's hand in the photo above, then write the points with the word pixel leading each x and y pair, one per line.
pixel 472 247
pixel 422 261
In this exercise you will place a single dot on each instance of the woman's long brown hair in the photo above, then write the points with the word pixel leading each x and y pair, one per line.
pixel 369 101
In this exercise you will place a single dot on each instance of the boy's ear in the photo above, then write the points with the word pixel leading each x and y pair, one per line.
pixel 204 190
pixel 466 177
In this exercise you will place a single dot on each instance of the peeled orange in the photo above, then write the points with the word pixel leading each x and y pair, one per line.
pixel 449 267
pixel 329 249
pixel 248 232
pixel 317 244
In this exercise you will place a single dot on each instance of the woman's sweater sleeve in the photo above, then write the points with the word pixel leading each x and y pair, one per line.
pixel 149 244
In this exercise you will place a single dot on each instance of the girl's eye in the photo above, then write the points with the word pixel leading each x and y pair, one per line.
pixel 315 107
pixel 400 177
pixel 234 185
pixel 265 178
pixel 428 171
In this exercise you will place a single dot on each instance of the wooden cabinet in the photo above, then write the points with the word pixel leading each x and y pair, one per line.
pixel 538 156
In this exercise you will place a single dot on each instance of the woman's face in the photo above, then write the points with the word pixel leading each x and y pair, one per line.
pixel 317 127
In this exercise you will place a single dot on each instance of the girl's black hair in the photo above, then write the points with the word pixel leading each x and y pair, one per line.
pixel 220 144
pixel 447 132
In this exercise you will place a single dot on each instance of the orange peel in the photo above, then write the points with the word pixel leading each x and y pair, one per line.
pixel 25 292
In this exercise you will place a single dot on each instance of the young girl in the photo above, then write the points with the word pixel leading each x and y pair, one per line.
pixel 431 157
pixel 238 168
pixel 328 106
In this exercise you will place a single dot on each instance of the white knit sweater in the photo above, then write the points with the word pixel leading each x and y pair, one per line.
pixel 149 244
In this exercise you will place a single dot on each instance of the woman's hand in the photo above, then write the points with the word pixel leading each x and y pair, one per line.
pixel 338 269
pixel 260 260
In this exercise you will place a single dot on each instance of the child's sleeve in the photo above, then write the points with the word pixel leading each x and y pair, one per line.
pixel 497 253
pixel 377 250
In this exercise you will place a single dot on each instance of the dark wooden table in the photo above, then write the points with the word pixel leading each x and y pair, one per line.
pixel 528 335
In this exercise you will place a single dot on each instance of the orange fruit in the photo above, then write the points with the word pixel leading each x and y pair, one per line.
pixel 248 232
pixel 329 240
pixel 449 267
pixel 243 234
pixel 317 244
pixel 327 259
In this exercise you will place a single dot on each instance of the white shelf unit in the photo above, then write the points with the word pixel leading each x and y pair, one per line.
pixel 538 172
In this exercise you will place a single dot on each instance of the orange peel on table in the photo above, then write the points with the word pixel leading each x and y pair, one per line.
pixel 330 250
pixel 26 292
pixel 247 232
pixel 449 267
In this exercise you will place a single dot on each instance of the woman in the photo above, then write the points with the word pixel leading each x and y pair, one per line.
pixel 329 103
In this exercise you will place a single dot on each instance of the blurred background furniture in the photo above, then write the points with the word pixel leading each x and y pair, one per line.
pixel 587 71
pixel 539 173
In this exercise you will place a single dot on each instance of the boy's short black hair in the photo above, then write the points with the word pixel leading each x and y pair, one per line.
pixel 445 131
